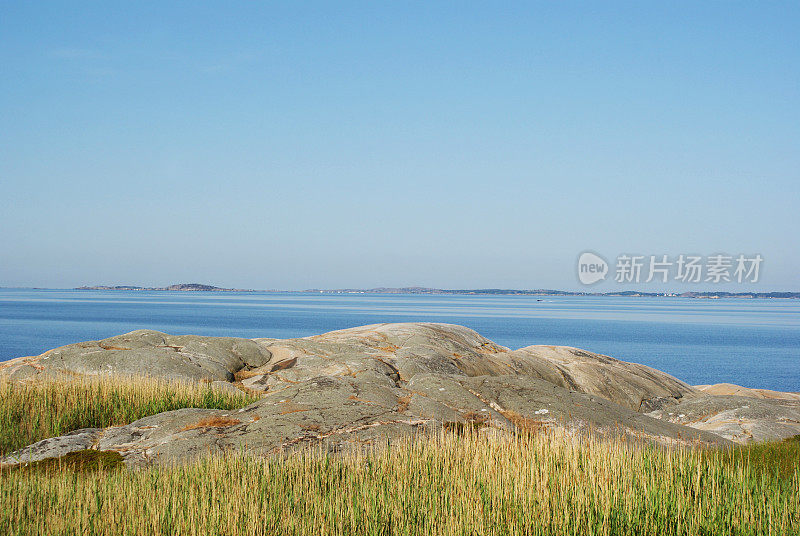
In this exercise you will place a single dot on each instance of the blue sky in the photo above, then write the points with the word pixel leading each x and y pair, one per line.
pixel 460 145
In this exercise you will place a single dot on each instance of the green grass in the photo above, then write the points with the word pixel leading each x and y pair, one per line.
pixel 780 458
pixel 475 483
pixel 30 412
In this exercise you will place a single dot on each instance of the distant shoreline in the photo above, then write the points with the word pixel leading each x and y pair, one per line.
pixel 197 287
pixel 184 287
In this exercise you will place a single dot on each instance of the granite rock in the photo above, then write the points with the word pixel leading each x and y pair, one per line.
pixel 366 386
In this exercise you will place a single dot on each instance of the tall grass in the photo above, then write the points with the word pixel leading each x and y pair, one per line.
pixel 30 412
pixel 442 485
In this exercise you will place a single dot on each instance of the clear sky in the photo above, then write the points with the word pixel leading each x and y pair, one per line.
pixel 458 145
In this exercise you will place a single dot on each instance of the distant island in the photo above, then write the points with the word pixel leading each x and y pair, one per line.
pixel 187 287
pixel 195 287
pixel 551 292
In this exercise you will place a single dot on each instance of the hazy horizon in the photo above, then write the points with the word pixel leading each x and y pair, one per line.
pixel 588 290
pixel 360 145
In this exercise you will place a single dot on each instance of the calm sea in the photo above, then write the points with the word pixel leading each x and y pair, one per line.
pixel 755 343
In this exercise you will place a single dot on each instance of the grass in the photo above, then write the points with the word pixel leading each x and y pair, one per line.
pixel 30 412
pixel 780 458
pixel 475 483
pixel 467 480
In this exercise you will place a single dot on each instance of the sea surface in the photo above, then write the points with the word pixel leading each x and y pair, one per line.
pixel 750 342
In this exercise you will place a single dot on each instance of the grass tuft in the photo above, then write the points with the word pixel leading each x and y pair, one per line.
pixel 780 459
pixel 30 412
pixel 81 460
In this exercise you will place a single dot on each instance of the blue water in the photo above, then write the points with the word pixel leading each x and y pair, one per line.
pixel 755 343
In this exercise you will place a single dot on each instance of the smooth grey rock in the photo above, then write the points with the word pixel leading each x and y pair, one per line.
pixel 729 389
pixel 23 372
pixel 636 386
pixel 365 386
pixel 151 353
pixel 738 418
pixel 225 386
pixel 54 447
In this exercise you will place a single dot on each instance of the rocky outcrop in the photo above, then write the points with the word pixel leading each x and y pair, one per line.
pixel 411 349
pixel 632 385
pixel 368 385
pixel 729 389
pixel 738 418
pixel 145 352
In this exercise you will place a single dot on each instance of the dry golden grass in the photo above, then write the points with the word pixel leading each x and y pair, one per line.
pixel 487 484
pixel 30 412
pixel 471 482
pixel 525 424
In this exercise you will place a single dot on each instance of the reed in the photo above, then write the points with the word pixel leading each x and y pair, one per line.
pixel 33 411
pixel 447 484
